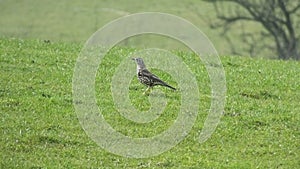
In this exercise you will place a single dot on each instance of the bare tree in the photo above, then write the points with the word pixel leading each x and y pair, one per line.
pixel 279 18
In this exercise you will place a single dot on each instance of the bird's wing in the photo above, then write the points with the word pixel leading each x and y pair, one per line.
pixel 147 73
pixel 153 77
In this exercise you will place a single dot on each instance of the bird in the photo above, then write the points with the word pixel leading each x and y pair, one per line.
pixel 146 77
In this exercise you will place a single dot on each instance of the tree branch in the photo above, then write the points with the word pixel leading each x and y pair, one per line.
pixel 292 11
pixel 274 15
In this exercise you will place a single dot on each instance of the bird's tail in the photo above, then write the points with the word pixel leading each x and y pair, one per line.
pixel 170 86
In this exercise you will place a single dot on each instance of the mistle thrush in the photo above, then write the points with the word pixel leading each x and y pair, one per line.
pixel 146 77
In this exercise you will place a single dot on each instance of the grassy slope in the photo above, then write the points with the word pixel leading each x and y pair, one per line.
pixel 39 128
pixel 77 20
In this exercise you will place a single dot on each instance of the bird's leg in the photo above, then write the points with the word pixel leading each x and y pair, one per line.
pixel 147 91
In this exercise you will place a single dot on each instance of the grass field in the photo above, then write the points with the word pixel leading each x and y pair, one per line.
pixel 76 21
pixel 39 127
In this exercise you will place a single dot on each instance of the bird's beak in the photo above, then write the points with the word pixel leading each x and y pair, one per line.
pixel 133 59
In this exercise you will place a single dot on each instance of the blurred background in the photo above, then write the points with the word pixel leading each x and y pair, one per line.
pixel 262 30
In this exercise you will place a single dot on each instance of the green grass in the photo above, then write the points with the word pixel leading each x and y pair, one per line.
pixel 76 21
pixel 39 127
